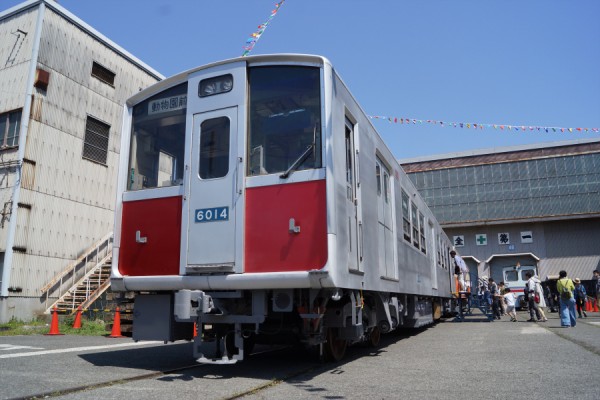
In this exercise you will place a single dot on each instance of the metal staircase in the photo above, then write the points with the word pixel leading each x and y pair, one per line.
pixel 86 278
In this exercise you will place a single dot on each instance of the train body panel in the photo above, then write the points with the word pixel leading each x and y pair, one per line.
pixel 257 190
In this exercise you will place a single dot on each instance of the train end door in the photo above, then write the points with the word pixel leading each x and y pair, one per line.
pixel 213 207
pixel 213 188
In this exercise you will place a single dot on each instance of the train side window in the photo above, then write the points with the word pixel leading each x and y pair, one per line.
pixel 214 148
pixel 378 178
pixel 415 225
pixel 439 252
pixel 422 232
pixel 405 216
pixel 386 186
pixel 350 188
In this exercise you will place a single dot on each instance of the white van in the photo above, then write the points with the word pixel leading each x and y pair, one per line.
pixel 514 278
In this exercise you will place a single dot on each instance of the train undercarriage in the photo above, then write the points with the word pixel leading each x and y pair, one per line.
pixel 229 323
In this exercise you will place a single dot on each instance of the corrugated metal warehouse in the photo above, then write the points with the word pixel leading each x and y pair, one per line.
pixel 512 207
pixel 62 90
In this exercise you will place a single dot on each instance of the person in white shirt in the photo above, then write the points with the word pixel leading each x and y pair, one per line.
pixel 532 287
pixel 462 270
pixel 509 299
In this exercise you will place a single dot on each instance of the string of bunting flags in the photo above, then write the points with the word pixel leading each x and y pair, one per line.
pixel 472 125
pixel 254 37
pixel 261 29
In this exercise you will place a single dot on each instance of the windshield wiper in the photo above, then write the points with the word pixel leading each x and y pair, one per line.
pixel 298 161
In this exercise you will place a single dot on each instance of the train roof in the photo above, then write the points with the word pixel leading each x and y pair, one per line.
pixel 254 60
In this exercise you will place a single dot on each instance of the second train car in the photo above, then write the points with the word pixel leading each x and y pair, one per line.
pixel 257 201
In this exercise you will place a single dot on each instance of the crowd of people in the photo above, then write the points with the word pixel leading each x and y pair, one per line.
pixel 570 297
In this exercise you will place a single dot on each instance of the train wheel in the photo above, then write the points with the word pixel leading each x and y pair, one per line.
pixel 335 348
pixel 375 337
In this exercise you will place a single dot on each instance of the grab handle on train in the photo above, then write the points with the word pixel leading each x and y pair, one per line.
pixel 293 227
pixel 139 238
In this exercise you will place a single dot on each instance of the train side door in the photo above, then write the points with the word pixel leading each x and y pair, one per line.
pixel 385 230
pixel 213 191
pixel 354 250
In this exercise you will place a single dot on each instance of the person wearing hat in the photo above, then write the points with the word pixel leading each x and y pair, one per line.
pixel 580 297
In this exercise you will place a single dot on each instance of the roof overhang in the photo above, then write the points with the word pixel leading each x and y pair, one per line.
pixel 512 255
pixel 472 258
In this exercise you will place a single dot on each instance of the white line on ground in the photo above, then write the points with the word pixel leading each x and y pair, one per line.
pixel 533 330
pixel 11 347
pixel 75 349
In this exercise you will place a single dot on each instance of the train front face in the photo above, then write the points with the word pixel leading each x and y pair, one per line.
pixel 222 177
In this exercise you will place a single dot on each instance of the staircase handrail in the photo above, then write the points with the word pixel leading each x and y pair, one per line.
pixel 73 289
pixel 95 294
pixel 75 263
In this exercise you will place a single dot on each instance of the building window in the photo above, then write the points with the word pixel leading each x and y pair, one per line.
pixel 405 216
pixel 95 144
pixel 10 124
pixel 104 74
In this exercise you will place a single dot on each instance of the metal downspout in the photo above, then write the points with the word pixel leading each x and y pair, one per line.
pixel 8 255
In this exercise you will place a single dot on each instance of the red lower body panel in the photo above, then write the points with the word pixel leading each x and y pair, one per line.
pixel 269 244
pixel 159 221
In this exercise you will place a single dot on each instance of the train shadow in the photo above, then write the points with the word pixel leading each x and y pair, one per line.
pixel 295 365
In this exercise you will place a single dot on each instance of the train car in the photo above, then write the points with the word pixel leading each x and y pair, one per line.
pixel 257 201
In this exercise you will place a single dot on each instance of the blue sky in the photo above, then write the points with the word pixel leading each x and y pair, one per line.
pixel 510 62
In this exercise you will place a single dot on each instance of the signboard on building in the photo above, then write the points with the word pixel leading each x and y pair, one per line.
pixel 526 237
pixel 459 241
pixel 481 239
pixel 504 238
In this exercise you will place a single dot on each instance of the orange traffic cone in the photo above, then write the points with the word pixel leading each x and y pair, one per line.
pixel 54 325
pixel 77 323
pixel 195 330
pixel 588 305
pixel 596 306
pixel 116 328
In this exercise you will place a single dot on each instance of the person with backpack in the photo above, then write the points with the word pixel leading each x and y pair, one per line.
pixel 565 289
pixel 580 297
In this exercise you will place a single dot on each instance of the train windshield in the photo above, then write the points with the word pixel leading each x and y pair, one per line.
pixel 158 140
pixel 285 119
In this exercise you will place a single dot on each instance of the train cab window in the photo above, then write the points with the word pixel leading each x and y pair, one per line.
pixel 214 148
pixel 511 276
pixel 285 119
pixel 157 143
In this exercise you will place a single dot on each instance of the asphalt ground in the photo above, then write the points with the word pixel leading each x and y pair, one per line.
pixel 471 359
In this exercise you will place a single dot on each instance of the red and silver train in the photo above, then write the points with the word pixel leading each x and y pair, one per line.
pixel 257 200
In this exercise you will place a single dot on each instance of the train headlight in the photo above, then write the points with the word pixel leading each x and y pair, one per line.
pixel 216 85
